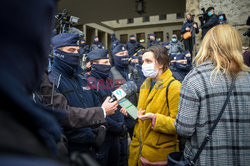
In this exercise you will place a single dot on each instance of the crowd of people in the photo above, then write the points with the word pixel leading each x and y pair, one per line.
pixel 61 110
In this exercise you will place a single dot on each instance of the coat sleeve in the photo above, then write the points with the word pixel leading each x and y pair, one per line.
pixel 188 109
pixel 212 21
pixel 77 117
pixel 165 123
pixel 115 122
pixel 83 136
pixel 183 28
pixel 196 29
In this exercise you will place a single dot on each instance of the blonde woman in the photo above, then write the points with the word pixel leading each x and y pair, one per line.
pixel 204 91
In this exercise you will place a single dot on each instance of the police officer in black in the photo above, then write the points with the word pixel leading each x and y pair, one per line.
pixel 132 45
pixel 115 42
pixel 84 47
pixel 121 69
pixel 69 80
pixel 152 41
pixel 180 65
pixel 124 72
pixel 101 83
pixel 84 50
pixel 96 44
pixel 212 21
pixel 136 62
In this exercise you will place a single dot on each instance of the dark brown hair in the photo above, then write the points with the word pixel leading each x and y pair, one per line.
pixel 160 55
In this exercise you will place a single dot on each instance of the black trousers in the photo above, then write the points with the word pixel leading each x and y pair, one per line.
pixel 189 44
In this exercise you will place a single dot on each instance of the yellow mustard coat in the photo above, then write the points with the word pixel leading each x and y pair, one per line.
pixel 158 142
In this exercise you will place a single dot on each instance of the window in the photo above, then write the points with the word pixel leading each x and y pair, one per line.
pixel 124 38
pixel 140 37
pixel 159 36
pixel 130 20
pixel 140 6
pixel 163 17
pixel 117 21
pixel 179 15
pixel 145 19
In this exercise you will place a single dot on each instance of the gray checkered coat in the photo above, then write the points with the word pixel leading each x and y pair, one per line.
pixel 199 105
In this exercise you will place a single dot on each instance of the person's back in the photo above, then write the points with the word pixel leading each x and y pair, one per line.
pixel 28 134
pixel 204 91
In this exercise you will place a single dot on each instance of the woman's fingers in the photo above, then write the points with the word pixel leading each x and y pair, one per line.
pixel 140 113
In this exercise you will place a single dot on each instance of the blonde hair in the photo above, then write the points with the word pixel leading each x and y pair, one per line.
pixel 222 45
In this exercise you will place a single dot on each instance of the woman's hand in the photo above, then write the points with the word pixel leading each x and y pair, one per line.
pixel 142 117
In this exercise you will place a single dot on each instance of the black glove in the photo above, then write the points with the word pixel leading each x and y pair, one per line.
pixel 100 134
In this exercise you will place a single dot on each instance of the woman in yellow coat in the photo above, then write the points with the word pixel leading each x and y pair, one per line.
pixel 155 135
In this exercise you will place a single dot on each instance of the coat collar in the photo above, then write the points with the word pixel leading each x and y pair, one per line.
pixel 160 84
pixel 63 67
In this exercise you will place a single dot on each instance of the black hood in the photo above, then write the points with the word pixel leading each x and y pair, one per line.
pixel 25 38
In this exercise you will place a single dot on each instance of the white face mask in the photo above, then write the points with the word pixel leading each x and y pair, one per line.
pixel 149 70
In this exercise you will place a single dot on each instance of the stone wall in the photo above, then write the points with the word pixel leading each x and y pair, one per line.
pixel 237 12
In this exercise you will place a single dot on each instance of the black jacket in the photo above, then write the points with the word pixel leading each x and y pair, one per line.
pixel 212 21
pixel 153 43
pixel 132 46
pixel 189 24
pixel 26 130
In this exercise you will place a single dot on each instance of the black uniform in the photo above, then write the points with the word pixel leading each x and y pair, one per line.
pixel 212 21
pixel 131 46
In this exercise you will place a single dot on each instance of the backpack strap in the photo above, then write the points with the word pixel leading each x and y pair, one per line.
pixel 167 92
pixel 117 76
pixel 209 134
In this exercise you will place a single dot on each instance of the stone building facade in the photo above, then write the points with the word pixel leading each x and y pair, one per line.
pixel 237 12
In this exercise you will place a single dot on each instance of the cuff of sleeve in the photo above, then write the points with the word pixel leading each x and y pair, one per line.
pixel 104 112
pixel 153 121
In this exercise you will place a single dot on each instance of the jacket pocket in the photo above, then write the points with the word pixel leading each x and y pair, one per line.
pixel 165 140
